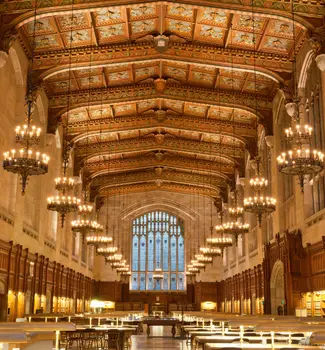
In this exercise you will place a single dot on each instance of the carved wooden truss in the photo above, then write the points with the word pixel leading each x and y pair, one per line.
pixel 176 114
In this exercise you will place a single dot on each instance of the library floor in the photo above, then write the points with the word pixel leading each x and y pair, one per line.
pixel 160 338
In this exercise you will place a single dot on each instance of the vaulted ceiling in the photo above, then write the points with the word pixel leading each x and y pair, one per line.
pixel 161 94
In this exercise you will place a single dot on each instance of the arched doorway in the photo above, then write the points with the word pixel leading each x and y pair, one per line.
pixel 277 286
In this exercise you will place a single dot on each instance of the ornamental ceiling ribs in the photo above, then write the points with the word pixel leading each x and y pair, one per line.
pixel 161 95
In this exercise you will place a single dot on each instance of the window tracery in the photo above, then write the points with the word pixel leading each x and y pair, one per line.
pixel 157 245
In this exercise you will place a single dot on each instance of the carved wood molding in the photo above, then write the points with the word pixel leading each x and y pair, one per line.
pixel 145 121
pixel 169 161
pixel 164 186
pixel 151 143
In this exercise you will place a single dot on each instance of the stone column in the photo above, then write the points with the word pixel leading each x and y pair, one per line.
pixel 270 142
pixel 320 61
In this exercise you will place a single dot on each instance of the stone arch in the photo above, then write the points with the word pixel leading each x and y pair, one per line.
pixel 277 286
pixel 17 58
pixel 304 69
pixel 140 208
pixel 41 105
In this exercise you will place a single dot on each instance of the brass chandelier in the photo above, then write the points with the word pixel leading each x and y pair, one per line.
pixel 113 258
pixel 64 202
pixel 259 203
pixel 300 159
pixel 236 226
pixel 210 251
pixel 158 274
pixel 27 160
pixel 221 241
pixel 90 229
pixel 106 251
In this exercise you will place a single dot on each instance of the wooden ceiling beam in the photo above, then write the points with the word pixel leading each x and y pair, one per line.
pixel 54 62
pixel 213 126
pixel 140 92
pixel 155 186
pixel 164 143
pixel 151 175
pixel 166 160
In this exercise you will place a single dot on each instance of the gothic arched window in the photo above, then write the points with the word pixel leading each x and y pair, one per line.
pixel 157 249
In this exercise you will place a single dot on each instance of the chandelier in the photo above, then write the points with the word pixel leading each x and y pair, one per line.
pixel 90 229
pixel 123 269
pixel 158 275
pixel 210 252
pixel 113 258
pixel 259 203
pixel 221 242
pixel 106 251
pixel 125 273
pixel 26 160
pixel 64 202
pixel 300 159
pixel 120 263
pixel 236 226
pixel 193 270
pixel 98 238
pixel 197 264
pixel 191 273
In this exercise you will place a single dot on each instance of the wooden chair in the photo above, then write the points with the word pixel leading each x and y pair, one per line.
pixel 111 340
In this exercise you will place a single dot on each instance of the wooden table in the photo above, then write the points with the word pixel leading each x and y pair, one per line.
pixel 229 339
pixel 38 327
pixel 173 322
pixel 210 346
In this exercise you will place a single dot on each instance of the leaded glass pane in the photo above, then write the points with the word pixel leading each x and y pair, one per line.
pixel 173 282
pixel 165 281
pixel 180 253
pixel 143 253
pixel 135 253
pixel 142 281
pixel 157 284
pixel 180 281
pixel 158 250
pixel 173 253
pixel 150 281
pixel 165 251
pixel 134 281
pixel 150 251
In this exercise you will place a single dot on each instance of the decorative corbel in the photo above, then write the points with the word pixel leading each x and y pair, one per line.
pixel 7 38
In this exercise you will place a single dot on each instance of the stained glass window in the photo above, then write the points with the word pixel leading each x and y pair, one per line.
pixel 158 247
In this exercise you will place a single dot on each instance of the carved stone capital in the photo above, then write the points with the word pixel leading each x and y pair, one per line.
pixel 320 61
pixel 317 40
pixel 7 37
pixel 269 140
pixel 3 58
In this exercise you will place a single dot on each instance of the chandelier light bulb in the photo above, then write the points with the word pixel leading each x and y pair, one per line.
pixel 64 183
pixel 93 239
pixel 106 251
pixel 113 258
pixel 212 252
pixel 28 135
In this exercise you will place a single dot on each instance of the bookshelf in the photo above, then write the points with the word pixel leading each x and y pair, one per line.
pixel 315 303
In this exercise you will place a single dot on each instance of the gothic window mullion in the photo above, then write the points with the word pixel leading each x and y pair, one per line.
pixel 164 232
